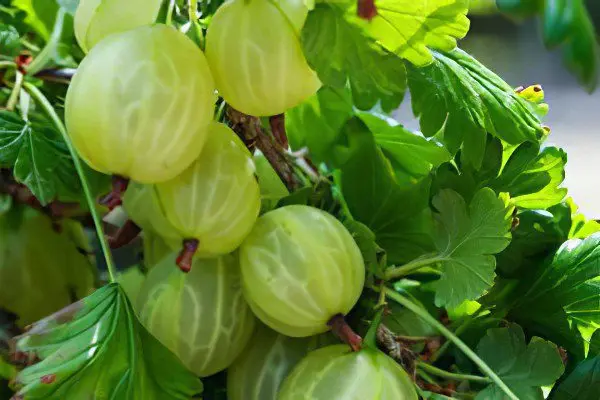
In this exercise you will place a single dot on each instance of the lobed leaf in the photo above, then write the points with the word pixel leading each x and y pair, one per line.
pixel 409 28
pixel 39 158
pixel 523 367
pixel 9 40
pixel 398 215
pixel 459 99
pixel 96 347
pixel 340 52
pixel 467 239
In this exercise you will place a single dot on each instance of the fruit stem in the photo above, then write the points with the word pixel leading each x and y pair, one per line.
pixel 124 235
pixel 43 101
pixel 16 90
pixel 277 124
pixel 397 297
pixel 341 329
pixel 450 375
pixel 186 255
pixel 114 198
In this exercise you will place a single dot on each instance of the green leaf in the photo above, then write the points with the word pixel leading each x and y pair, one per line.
pixel 97 348
pixel 39 157
pixel 41 270
pixel 462 100
pixel 583 383
pixel 581 226
pixel 317 122
pixel 373 255
pixel 557 297
pixel 533 177
pixel 39 14
pixel 466 239
pixel 392 212
pixel 523 367
pixel 538 235
pixel 412 156
pixel 340 52
pixel 408 28
pixel 9 40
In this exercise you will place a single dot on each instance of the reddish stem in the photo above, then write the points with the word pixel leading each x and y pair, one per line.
pixel 125 235
pixel 277 123
pixel 114 198
pixel 340 327
pixel 186 255
pixel 366 9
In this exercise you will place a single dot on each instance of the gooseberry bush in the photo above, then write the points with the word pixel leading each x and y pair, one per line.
pixel 211 199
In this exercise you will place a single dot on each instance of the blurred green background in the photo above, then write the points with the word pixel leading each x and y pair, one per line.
pixel 515 51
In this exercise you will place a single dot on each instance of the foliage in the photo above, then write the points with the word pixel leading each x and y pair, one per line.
pixel 453 250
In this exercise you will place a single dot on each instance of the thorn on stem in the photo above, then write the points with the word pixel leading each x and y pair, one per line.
pixel 277 123
pixel 114 198
pixel 186 255
pixel 340 327
pixel 366 9
pixel 125 235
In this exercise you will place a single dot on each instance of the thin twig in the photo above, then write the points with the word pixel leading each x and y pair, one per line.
pixel 250 129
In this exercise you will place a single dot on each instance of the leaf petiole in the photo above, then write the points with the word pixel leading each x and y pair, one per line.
pixel 403 270
pixel 450 375
pixel 39 97
pixel 7 64
pixel 16 90
pixel 451 337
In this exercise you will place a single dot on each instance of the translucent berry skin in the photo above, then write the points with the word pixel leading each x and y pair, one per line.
pixel 200 316
pixel 259 68
pixel 300 267
pixel 261 368
pixel 96 19
pixel 141 204
pixel 336 373
pixel 140 104
pixel 217 199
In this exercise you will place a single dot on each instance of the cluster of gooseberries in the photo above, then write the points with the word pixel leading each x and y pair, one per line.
pixel 141 108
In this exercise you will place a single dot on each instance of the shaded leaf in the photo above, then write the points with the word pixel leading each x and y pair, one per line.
pixel 523 367
pixel 340 52
pixel 412 156
pixel 538 235
pixel 460 98
pixel 39 15
pixel 9 40
pixel 40 159
pixel 583 383
pixel 316 123
pixel 556 297
pixel 41 270
pixel 467 239
pixel 372 194
pixel 409 28
pixel 373 255
pixel 97 347
pixel 533 178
